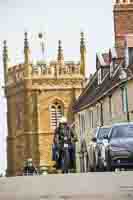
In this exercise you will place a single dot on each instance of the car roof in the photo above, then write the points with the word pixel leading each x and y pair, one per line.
pixel 106 126
pixel 122 124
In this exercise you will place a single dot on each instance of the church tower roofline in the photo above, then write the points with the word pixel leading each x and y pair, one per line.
pixel 60 56
pixel 123 2
pixel 82 43
pixel 5 59
pixel 82 54
pixel 26 49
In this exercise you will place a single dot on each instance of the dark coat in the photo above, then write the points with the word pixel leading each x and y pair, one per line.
pixel 29 170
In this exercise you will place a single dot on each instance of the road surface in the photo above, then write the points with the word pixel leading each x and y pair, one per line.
pixel 90 186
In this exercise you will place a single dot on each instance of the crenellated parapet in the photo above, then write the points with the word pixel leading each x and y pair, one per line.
pixel 45 70
pixel 15 74
pixel 56 69
pixel 53 69
pixel 123 5
pixel 122 1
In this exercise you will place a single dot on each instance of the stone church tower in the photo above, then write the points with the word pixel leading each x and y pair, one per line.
pixel 123 23
pixel 37 96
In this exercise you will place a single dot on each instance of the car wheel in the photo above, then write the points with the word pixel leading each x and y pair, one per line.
pixel 101 165
pixel 109 168
pixel 89 165
pixel 94 162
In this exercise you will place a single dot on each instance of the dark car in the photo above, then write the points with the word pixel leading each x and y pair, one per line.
pixel 119 151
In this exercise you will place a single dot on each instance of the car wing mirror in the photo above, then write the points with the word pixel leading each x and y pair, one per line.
pixel 106 137
pixel 94 139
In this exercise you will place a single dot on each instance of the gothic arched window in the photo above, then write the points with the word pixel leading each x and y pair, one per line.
pixel 56 112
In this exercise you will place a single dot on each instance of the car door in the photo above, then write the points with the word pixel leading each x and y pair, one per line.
pixel 91 148
pixel 102 142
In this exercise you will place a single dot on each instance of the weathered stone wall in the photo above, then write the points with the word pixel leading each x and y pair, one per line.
pixel 30 134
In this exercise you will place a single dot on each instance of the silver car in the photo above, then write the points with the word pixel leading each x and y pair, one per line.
pixel 96 150
pixel 92 159
pixel 101 144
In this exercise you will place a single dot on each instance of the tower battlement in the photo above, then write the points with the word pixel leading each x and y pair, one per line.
pixel 123 1
pixel 53 69
pixel 39 70
pixel 56 69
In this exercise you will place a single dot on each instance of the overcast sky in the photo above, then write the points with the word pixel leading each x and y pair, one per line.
pixel 60 19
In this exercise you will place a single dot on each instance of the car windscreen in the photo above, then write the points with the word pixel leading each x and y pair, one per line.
pixel 122 131
pixel 103 132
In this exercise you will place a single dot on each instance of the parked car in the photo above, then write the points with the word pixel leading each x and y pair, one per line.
pixel 101 144
pixel 91 150
pixel 119 151
pixel 95 147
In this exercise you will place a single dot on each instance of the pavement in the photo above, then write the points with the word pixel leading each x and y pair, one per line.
pixel 85 186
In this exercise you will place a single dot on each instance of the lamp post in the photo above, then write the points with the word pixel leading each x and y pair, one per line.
pixel 123 77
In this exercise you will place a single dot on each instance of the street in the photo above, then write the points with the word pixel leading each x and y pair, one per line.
pixel 116 186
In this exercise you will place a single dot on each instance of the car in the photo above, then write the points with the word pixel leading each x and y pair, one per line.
pixel 94 147
pixel 91 151
pixel 101 143
pixel 119 150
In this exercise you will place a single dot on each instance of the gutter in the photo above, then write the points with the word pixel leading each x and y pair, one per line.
pixel 104 94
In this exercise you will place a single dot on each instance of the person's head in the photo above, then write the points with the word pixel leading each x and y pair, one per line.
pixel 29 162
pixel 63 121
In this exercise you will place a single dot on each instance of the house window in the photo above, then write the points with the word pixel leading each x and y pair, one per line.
pixel 56 114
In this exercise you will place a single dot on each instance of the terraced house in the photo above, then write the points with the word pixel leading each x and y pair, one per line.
pixel 108 96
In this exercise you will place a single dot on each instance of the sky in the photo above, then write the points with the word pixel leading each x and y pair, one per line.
pixel 59 20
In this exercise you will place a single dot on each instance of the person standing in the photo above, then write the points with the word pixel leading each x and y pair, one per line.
pixel 29 168
pixel 63 131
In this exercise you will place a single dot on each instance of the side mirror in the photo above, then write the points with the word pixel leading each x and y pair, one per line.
pixel 94 139
pixel 105 137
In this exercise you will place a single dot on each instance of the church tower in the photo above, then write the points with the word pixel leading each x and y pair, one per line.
pixel 38 95
pixel 123 23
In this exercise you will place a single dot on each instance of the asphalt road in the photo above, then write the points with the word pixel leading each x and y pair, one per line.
pixel 93 186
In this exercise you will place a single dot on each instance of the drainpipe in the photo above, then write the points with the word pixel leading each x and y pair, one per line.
pixel 127 109
pixel 101 114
